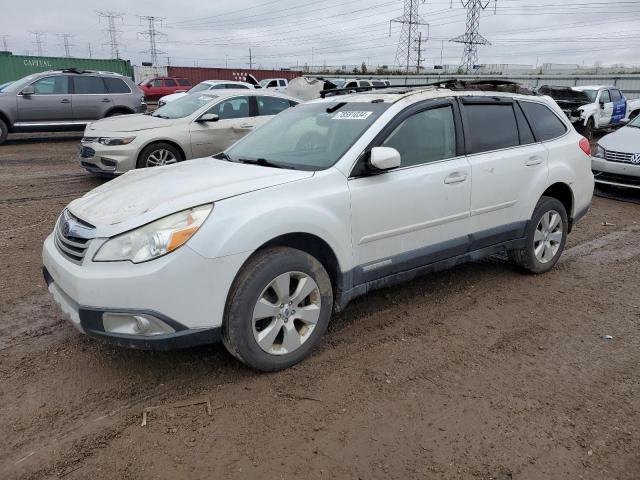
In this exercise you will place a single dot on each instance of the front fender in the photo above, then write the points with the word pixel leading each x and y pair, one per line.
pixel 588 111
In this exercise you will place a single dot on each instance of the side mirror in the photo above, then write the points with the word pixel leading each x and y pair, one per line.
pixel 384 158
pixel 208 117
pixel 601 104
pixel 28 90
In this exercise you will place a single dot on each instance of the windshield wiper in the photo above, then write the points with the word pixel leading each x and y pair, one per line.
pixel 263 162
pixel 222 156
pixel 160 116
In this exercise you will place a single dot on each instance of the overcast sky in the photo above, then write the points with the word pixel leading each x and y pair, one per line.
pixel 285 33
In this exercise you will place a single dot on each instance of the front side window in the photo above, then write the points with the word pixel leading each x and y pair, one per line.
pixel 272 83
pixel 425 137
pixel 116 85
pixel 605 97
pixel 183 106
pixel 58 85
pixel 271 105
pixel 237 107
pixel 491 127
pixel 546 125
pixel 218 86
pixel 312 136
pixel 88 85
pixel 156 83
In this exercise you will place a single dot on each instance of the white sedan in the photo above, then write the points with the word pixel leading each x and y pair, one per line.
pixel 205 86
pixel 616 158
pixel 194 126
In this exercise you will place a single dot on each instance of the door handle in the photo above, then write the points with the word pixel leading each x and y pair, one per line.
pixel 533 161
pixel 455 177
pixel 105 100
pixel 65 100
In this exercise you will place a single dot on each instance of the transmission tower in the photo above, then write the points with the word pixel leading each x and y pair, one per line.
pixel 112 31
pixel 153 35
pixel 410 20
pixel 471 37
pixel 37 40
pixel 65 42
pixel 5 44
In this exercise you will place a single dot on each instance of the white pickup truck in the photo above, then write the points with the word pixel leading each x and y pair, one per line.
pixel 592 108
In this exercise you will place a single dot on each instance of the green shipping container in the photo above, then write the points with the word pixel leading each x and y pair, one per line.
pixel 14 67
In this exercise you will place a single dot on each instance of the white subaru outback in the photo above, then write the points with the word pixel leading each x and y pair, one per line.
pixel 327 201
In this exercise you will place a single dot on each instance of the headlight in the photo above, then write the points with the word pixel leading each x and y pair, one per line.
pixel 115 141
pixel 154 239
pixel 598 151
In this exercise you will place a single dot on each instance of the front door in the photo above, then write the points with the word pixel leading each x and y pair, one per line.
pixel 605 108
pixel 235 121
pixel 419 213
pixel 50 102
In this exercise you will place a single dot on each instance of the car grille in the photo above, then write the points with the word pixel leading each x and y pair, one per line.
pixel 627 180
pixel 621 157
pixel 87 152
pixel 73 239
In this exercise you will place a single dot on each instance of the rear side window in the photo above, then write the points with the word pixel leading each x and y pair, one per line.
pixel 271 105
pixel 616 96
pixel 282 83
pixel 546 125
pixel 116 85
pixel 170 82
pixel 183 82
pixel 491 127
pixel 87 85
pixel 425 137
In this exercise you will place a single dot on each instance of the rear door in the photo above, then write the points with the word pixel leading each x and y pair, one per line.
pixel 50 102
pixel 90 98
pixel 507 164
pixel 170 86
pixel 234 122
pixel 619 105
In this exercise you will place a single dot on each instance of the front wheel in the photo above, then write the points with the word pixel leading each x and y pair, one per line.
pixel 158 155
pixel 278 309
pixel 4 131
pixel 545 237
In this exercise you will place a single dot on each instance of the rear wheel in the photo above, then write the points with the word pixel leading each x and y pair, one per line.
pixel 633 115
pixel 159 154
pixel 4 131
pixel 545 237
pixel 278 309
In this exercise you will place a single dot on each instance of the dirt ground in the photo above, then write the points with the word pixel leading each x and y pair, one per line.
pixel 476 373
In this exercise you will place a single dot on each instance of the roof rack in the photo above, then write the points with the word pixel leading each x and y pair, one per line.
pixel 450 84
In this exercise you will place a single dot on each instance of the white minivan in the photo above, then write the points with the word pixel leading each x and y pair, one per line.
pixel 331 199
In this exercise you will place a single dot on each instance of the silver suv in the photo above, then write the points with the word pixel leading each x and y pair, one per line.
pixel 65 100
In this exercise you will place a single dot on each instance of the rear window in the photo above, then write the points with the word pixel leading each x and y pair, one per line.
pixel 87 85
pixel 491 127
pixel 116 85
pixel 183 82
pixel 545 124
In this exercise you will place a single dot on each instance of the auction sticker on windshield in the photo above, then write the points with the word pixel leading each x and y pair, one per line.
pixel 351 115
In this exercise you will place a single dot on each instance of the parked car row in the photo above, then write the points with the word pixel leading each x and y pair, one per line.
pixel 258 245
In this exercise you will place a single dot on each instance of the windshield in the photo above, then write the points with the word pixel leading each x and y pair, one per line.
pixel 635 122
pixel 339 83
pixel 592 94
pixel 263 83
pixel 4 85
pixel 183 107
pixel 308 137
pixel 200 87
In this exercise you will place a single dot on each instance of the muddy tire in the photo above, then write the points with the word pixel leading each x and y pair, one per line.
pixel 278 309
pixel 545 237
pixel 159 154
pixel 4 131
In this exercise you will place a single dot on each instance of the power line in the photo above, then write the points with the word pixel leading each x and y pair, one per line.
pixel 37 40
pixel 472 38
pixel 65 42
pixel 153 35
pixel 410 21
pixel 112 31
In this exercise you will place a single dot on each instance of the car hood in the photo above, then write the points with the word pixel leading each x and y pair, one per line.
pixel 129 123
pixel 626 140
pixel 172 97
pixel 141 196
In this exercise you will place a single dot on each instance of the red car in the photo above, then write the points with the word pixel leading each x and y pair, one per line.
pixel 154 88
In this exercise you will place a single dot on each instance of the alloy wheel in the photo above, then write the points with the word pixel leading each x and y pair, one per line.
pixel 286 313
pixel 547 237
pixel 160 157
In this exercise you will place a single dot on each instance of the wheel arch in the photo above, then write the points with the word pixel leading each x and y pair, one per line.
pixel 5 118
pixel 563 193
pixel 173 143
pixel 119 108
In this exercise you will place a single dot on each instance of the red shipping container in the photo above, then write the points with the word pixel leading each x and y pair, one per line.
pixel 199 74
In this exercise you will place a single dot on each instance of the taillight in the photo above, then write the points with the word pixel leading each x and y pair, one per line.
pixel 585 146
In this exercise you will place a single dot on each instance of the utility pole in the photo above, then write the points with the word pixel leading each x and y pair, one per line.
pixel 5 44
pixel 410 21
pixel 37 40
pixel 419 49
pixel 65 42
pixel 472 38
pixel 153 35
pixel 90 56
pixel 250 60
pixel 311 66
pixel 168 61
pixel 112 31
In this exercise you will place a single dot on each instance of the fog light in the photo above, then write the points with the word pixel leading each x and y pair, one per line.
pixel 139 324
pixel 110 164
